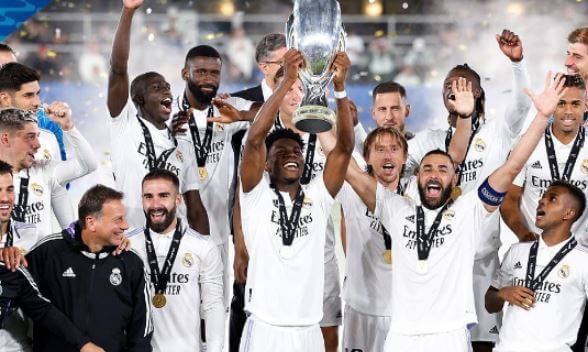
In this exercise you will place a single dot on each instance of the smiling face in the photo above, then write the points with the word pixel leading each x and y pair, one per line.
pixel 285 162
pixel 577 59
pixel 6 197
pixel 26 98
pixel 21 145
pixel 436 179
pixel 555 206
pixel 157 98
pixel 202 75
pixel 569 113
pixel 109 226
pixel 160 201
pixel 386 156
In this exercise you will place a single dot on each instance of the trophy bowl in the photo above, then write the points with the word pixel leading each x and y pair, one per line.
pixel 315 29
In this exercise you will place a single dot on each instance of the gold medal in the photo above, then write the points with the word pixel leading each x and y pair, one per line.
pixel 388 256
pixel 455 192
pixel 202 173
pixel 159 300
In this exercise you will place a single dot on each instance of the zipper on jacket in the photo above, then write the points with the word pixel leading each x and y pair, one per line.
pixel 89 303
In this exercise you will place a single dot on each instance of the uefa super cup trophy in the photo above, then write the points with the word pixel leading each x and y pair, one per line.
pixel 315 29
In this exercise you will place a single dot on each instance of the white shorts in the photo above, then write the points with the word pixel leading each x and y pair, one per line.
pixel 259 336
pixel 227 282
pixel 332 310
pixel 451 341
pixel 488 324
pixel 363 332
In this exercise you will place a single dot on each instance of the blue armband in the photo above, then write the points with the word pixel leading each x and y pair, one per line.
pixel 489 195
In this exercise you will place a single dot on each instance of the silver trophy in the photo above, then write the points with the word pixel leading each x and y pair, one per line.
pixel 315 29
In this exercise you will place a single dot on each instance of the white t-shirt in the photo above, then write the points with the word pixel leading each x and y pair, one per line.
pixel 368 278
pixel 285 288
pixel 13 335
pixel 196 276
pixel 220 165
pixel 129 161
pixel 442 299
pixel 536 177
pixel 553 323
pixel 488 151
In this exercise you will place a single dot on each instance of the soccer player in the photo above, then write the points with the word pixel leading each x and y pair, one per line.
pixel 563 155
pixel 268 55
pixel 185 269
pixel 434 239
pixel 140 138
pixel 545 282
pixel 284 224
pixel 39 184
pixel 488 148
pixel 577 54
pixel 104 295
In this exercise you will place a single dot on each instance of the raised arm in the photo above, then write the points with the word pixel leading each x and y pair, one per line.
pixel 338 158
pixel 500 180
pixel 513 216
pixel 118 77
pixel 463 106
pixel 512 47
pixel 254 153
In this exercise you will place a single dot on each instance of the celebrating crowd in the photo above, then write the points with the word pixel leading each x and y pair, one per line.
pixel 146 266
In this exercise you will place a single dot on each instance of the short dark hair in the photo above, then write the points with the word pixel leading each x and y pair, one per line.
pixel 576 193
pixel 579 35
pixel 389 87
pixel 480 103
pixel 438 152
pixel 6 48
pixel 13 119
pixel 162 174
pixel 139 84
pixel 282 133
pixel 202 51
pixel 5 168
pixel 93 200
pixel 268 44
pixel 13 75
pixel 574 81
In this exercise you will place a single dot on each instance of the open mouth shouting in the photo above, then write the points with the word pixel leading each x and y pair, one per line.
pixel 5 209
pixel 167 105
pixel 157 215
pixel 433 189
pixel 388 168
pixel 291 166
pixel 540 214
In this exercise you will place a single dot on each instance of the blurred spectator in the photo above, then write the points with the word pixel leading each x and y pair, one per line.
pixel 92 65
pixel 408 77
pixel 355 48
pixel 418 60
pixel 241 54
pixel 381 59
pixel 44 60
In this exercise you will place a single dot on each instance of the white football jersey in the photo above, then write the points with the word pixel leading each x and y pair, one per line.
pixel 195 277
pixel 220 165
pixel 441 299
pixel 49 149
pixel 368 278
pixel 553 323
pixel 130 163
pixel 536 177
pixel 13 336
pixel 285 283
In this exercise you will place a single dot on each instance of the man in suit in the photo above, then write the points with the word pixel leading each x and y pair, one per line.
pixel 268 55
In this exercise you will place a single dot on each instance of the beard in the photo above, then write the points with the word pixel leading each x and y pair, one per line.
pixel 199 95
pixel 168 218
pixel 445 195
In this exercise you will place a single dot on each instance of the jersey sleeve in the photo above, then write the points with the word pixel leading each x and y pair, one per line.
pixel 386 202
pixel 485 223
pixel 360 136
pixel 61 205
pixel 320 189
pixel 42 312
pixel 140 327
pixel 211 283
pixel 241 105
pixel 504 275
pixel 190 180
pixel 517 110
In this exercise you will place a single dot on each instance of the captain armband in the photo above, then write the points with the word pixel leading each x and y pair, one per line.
pixel 489 195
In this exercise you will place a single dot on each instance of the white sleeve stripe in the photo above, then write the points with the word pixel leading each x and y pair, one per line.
pixel 55 236
pixel 32 282
pixel 148 318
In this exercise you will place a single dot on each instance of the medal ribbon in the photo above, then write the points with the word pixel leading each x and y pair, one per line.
pixel 425 240
pixel 160 279
pixel 572 157
pixel 533 282
pixel 201 147
pixel 289 225
pixel 152 160
pixel 19 210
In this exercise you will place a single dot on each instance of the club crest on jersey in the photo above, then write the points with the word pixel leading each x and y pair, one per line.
pixel 37 189
pixel 179 156
pixel 564 271
pixel 584 167
pixel 115 277
pixel 449 214
pixel 479 144
pixel 188 260
pixel 47 155
pixel 307 202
